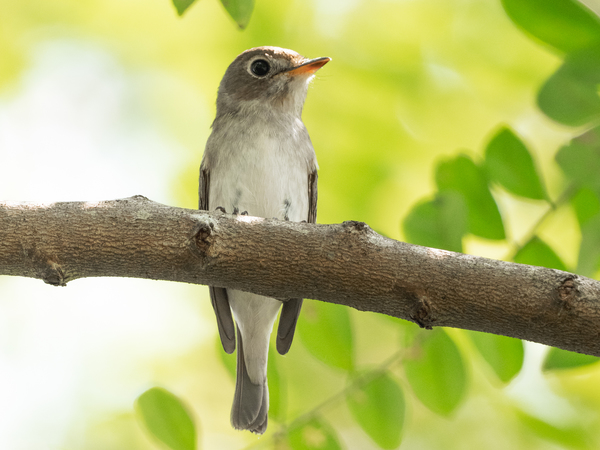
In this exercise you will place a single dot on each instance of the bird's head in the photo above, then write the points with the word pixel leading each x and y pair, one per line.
pixel 267 77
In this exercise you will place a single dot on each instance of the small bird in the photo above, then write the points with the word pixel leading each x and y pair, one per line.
pixel 259 160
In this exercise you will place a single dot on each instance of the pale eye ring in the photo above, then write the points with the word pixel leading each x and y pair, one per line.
pixel 260 67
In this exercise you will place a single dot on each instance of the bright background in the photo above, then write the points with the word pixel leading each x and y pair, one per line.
pixel 107 99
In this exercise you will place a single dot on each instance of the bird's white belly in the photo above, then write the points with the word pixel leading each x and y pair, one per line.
pixel 267 182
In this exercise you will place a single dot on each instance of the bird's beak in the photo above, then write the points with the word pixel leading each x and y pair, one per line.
pixel 309 67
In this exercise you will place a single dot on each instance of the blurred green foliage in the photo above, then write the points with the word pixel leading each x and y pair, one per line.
pixel 463 176
pixel 166 419
pixel 239 10
pixel 510 164
pixel 562 359
pixel 314 435
pixel 439 223
pixel 437 374
pixel 326 331
pixel 378 406
pixel 537 253
pixel 565 25
pixel 570 95
pixel 437 122
pixel 504 354
pixel 182 5
pixel 573 436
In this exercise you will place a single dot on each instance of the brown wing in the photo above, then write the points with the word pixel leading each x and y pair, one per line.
pixel 203 188
pixel 312 196
pixel 218 296
pixel 291 309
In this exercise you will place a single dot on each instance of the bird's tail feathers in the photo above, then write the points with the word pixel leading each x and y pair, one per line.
pixel 251 401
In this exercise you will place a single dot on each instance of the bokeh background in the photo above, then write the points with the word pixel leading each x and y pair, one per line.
pixel 106 99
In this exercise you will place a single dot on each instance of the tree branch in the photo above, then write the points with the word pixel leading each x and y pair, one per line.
pixel 347 263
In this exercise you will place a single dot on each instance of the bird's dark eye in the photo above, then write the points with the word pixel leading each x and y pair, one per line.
pixel 260 67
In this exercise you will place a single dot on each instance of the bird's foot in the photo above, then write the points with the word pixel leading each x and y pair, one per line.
pixel 236 211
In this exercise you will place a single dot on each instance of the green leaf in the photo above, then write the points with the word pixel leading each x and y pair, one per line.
pixel 586 204
pixel 379 408
pixel 182 5
pixel 570 95
pixel 568 437
pixel 566 25
pixel 239 10
pixel 580 163
pixel 166 419
pixel 326 332
pixel 503 354
pixel 558 358
pixel 463 176
pixel 315 435
pixel 537 253
pixel 438 377
pixel 589 251
pixel 439 223
pixel 509 163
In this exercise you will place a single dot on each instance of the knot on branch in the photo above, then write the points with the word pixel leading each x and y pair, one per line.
pixel 135 198
pixel 353 225
pixel 567 293
pixel 422 314
pixel 53 274
pixel 200 242
pixel 46 266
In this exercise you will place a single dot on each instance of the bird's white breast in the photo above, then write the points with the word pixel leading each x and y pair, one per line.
pixel 263 169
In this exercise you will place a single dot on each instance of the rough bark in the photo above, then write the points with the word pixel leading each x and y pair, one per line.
pixel 347 263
